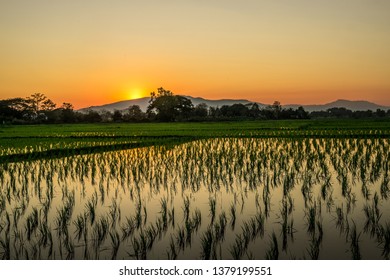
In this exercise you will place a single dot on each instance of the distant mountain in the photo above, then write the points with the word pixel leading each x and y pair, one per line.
pixel 360 105
pixel 220 102
pixel 121 105
pixel 144 102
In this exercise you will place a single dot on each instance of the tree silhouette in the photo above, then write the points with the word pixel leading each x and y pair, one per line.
pixel 168 107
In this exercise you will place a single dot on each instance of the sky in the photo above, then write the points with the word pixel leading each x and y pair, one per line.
pixel 93 52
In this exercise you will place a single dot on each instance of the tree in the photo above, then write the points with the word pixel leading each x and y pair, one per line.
pixel 380 113
pixel 67 106
pixel 106 116
pixel 276 108
pixel 12 109
pixel 67 113
pixel 38 106
pixel 168 107
pixel 39 102
pixel 135 114
pixel 254 111
pixel 339 112
pixel 117 116
pixel 201 110
pixel 214 112
pixel 301 113
pixel 92 117
pixel 48 105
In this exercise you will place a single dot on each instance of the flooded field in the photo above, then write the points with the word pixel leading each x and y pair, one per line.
pixel 222 198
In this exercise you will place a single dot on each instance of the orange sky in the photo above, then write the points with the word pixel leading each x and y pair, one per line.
pixel 94 52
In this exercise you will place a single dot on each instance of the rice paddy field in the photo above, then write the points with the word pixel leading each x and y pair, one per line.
pixel 241 190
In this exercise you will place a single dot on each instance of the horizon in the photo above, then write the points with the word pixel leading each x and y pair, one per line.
pixel 304 53
pixel 221 99
pixel 218 99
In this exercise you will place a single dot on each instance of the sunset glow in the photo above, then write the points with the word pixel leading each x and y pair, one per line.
pixel 136 93
pixel 96 52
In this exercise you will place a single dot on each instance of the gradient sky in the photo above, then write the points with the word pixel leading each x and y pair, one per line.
pixel 91 52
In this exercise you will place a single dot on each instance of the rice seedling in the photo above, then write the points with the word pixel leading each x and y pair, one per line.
pixel 326 187
pixel 192 225
pixel 128 228
pixel 311 215
pixel 32 223
pixel 186 207
pixel 354 243
pixel 225 168
pixel 145 215
pixel 365 191
pixel 220 227
pixel 181 238
pixel 385 241
pixel 44 235
pixel 273 251
pixel 151 234
pixel 100 231
pixel 208 245
pixel 164 212
pixel 385 190
pixel 115 243
pixel 314 250
pixel 373 217
pixel 91 206
pixel 232 216
pixel 69 249
pixel 5 249
pixel 172 253
pixel 237 249
pixel 80 224
pixel 114 212
pixel 171 217
pixel 212 204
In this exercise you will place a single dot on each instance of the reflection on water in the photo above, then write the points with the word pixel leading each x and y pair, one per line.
pixel 208 199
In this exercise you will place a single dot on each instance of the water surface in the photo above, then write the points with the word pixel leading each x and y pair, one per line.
pixel 220 198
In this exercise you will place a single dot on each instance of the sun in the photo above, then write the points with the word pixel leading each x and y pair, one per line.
pixel 136 93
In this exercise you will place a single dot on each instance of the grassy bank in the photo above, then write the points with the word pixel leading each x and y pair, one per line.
pixel 204 129
pixel 37 140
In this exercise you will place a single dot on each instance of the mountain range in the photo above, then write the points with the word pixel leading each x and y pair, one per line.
pixel 143 103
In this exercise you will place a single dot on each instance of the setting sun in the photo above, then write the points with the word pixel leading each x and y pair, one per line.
pixel 136 93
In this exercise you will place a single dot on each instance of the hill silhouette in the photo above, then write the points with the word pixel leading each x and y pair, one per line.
pixel 360 105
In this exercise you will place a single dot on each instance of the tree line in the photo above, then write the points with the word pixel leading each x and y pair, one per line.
pixel 164 106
